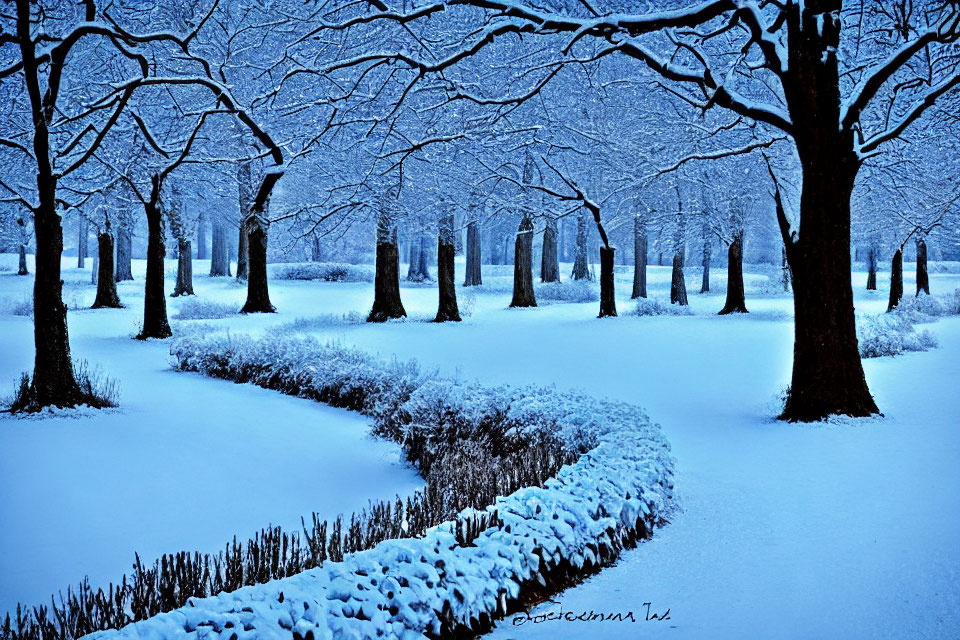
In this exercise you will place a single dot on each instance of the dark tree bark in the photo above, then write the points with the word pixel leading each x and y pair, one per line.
pixel 81 242
pixel 660 259
pixel 447 310
pixel 735 302
pixel 219 254
pixel 53 381
pixel 827 373
pixel 316 250
pixel 124 255
pixel 242 251
pixel 155 324
pixel 386 287
pixel 245 201
pixel 106 284
pixel 896 280
pixel 184 286
pixel 523 295
pixel 413 268
pixel 608 297
pixel 678 286
pixel 256 224
pixel 639 258
pixel 549 261
pixel 705 285
pixel 474 255
pixel 923 279
pixel 581 270
pixel 872 268
pixel 202 237
pixel 424 258
pixel 22 267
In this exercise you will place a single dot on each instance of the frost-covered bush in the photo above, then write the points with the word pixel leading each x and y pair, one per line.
pixel 650 307
pixel 564 291
pixel 324 271
pixel 193 308
pixel 922 308
pixel 455 578
pixel 323 321
pixel 567 291
pixel 891 334
pixel 22 307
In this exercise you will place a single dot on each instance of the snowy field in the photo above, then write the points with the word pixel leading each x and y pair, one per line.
pixel 848 530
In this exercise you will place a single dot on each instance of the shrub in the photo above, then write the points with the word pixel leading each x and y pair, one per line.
pixel 97 390
pixel 650 307
pixel 922 308
pixel 193 308
pixel 889 335
pixel 324 271
pixel 563 513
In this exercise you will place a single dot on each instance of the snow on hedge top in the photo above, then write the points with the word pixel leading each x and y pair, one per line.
pixel 414 587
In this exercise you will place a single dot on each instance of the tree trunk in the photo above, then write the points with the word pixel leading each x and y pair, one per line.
pixel 608 298
pixel 316 251
pixel 678 286
pixel 736 302
pixel 705 285
pixel 106 284
pixel 81 242
pixel 872 269
pixel 581 270
pixel 446 250
pixel 22 268
pixel 424 268
pixel 201 237
pixel 523 295
pixel 386 287
pixel 413 268
pixel 827 373
pixel 896 280
pixel 184 286
pixel 258 294
pixel 474 255
pixel 219 255
pixel 124 255
pixel 549 261
pixel 639 258
pixel 923 279
pixel 786 275
pixel 256 225
pixel 155 324
pixel 242 251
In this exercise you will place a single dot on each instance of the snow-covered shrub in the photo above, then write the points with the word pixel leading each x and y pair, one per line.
pixel 22 307
pixel 650 307
pixel 193 308
pixel 323 321
pixel 325 271
pixel 567 291
pixel 458 576
pixel 535 514
pixel 890 334
pixel 922 308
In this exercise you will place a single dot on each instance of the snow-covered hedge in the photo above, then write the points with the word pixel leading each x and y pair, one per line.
pixel 891 334
pixel 325 271
pixel 564 291
pixel 923 308
pixel 465 572
pixel 193 308
pixel 650 307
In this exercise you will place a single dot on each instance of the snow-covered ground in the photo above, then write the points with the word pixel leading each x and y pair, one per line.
pixel 848 530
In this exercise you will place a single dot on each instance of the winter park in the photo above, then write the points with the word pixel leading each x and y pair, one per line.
pixel 456 318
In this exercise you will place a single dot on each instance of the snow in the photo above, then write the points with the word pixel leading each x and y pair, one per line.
pixel 842 530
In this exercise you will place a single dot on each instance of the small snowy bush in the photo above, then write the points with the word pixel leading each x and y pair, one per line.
pixel 324 271
pixel 889 335
pixel 323 321
pixel 200 309
pixel 649 307
pixel 567 291
pixel 922 308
